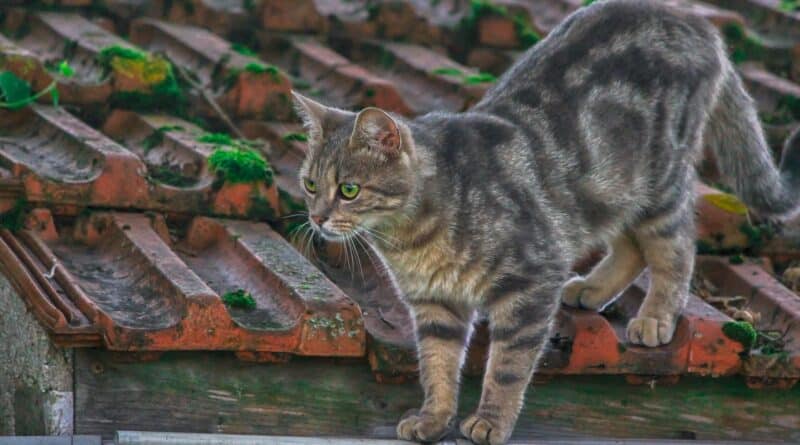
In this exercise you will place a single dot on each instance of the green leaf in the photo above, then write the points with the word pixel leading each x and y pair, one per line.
pixel 65 70
pixel 16 92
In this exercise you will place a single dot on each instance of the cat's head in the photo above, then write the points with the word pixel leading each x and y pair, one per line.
pixel 358 170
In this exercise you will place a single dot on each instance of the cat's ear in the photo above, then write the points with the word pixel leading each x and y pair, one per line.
pixel 316 117
pixel 378 131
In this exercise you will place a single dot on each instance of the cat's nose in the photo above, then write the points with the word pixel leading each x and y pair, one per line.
pixel 319 219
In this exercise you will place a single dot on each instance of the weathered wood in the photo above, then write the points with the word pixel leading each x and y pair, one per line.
pixel 158 438
pixel 215 393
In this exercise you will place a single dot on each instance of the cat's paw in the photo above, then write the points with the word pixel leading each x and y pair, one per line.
pixel 578 293
pixel 482 431
pixel 422 427
pixel 650 331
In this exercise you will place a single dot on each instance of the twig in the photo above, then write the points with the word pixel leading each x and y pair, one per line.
pixel 211 101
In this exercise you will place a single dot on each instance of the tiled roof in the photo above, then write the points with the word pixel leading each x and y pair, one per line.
pixel 131 241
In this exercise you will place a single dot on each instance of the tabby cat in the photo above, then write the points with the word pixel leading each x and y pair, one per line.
pixel 590 138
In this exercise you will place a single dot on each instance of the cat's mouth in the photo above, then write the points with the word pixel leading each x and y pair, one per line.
pixel 335 232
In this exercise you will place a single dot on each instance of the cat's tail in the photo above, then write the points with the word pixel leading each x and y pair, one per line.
pixel 737 139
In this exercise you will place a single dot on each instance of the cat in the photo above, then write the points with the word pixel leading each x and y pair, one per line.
pixel 591 138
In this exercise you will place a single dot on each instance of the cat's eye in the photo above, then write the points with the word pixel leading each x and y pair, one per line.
pixel 349 191
pixel 311 186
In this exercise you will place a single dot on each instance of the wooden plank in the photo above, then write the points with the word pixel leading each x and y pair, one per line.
pixel 215 393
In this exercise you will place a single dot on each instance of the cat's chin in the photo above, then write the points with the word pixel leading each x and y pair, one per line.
pixel 329 235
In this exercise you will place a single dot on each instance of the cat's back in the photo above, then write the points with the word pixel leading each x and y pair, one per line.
pixel 644 43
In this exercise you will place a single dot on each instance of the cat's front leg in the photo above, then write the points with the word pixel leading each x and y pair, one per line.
pixel 442 334
pixel 519 324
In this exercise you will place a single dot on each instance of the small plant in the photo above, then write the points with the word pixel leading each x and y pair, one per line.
pixel 239 299
pixel 16 93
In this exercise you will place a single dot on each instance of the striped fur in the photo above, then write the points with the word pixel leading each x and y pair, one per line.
pixel 590 139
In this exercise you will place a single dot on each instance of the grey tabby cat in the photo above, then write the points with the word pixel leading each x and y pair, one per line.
pixel 590 139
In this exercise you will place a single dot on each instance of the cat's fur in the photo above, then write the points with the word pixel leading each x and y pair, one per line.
pixel 590 138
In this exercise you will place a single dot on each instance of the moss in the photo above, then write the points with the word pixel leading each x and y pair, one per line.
pixel 742 44
pixel 260 208
pixel 243 49
pixel 239 299
pixel 155 72
pixel 14 219
pixel 468 26
pixel 240 165
pixel 448 71
pixel 757 234
pixel 789 5
pixel 217 138
pixel 370 92
pixel 169 175
pixel 157 136
pixel 299 137
pixel 255 68
pixel 468 79
pixel 736 259
pixel 740 331
pixel 479 78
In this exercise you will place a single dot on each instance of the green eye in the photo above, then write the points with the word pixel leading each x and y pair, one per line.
pixel 349 191
pixel 311 186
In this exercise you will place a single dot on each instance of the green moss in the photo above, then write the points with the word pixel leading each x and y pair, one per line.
pixel 14 219
pixel 299 137
pixel 153 71
pixel 468 26
pixel 588 2
pixel 157 136
pixel 243 49
pixel 240 165
pixel 740 331
pixel 757 234
pixel 736 259
pixel 170 176
pixel 255 68
pixel 789 5
pixel 260 208
pixel 743 45
pixel 479 78
pixel 369 92
pixel 448 71
pixel 217 138
pixel 239 299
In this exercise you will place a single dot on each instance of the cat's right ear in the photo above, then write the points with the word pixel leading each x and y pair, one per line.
pixel 316 117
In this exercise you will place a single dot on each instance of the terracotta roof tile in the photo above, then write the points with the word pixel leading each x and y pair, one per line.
pixel 123 246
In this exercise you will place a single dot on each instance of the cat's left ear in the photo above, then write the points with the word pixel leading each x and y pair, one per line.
pixel 378 131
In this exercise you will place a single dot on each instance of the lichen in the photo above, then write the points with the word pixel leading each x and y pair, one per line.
pixel 742 332
pixel 239 299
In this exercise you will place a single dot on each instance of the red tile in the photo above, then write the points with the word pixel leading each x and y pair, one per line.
pixel 122 275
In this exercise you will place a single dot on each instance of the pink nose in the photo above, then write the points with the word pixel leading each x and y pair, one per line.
pixel 319 219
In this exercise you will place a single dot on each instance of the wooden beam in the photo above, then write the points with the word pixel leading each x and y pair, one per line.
pixel 215 393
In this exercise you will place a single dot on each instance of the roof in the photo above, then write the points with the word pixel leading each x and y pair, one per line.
pixel 124 237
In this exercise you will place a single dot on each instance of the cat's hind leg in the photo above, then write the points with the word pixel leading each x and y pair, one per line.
pixel 623 263
pixel 668 247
